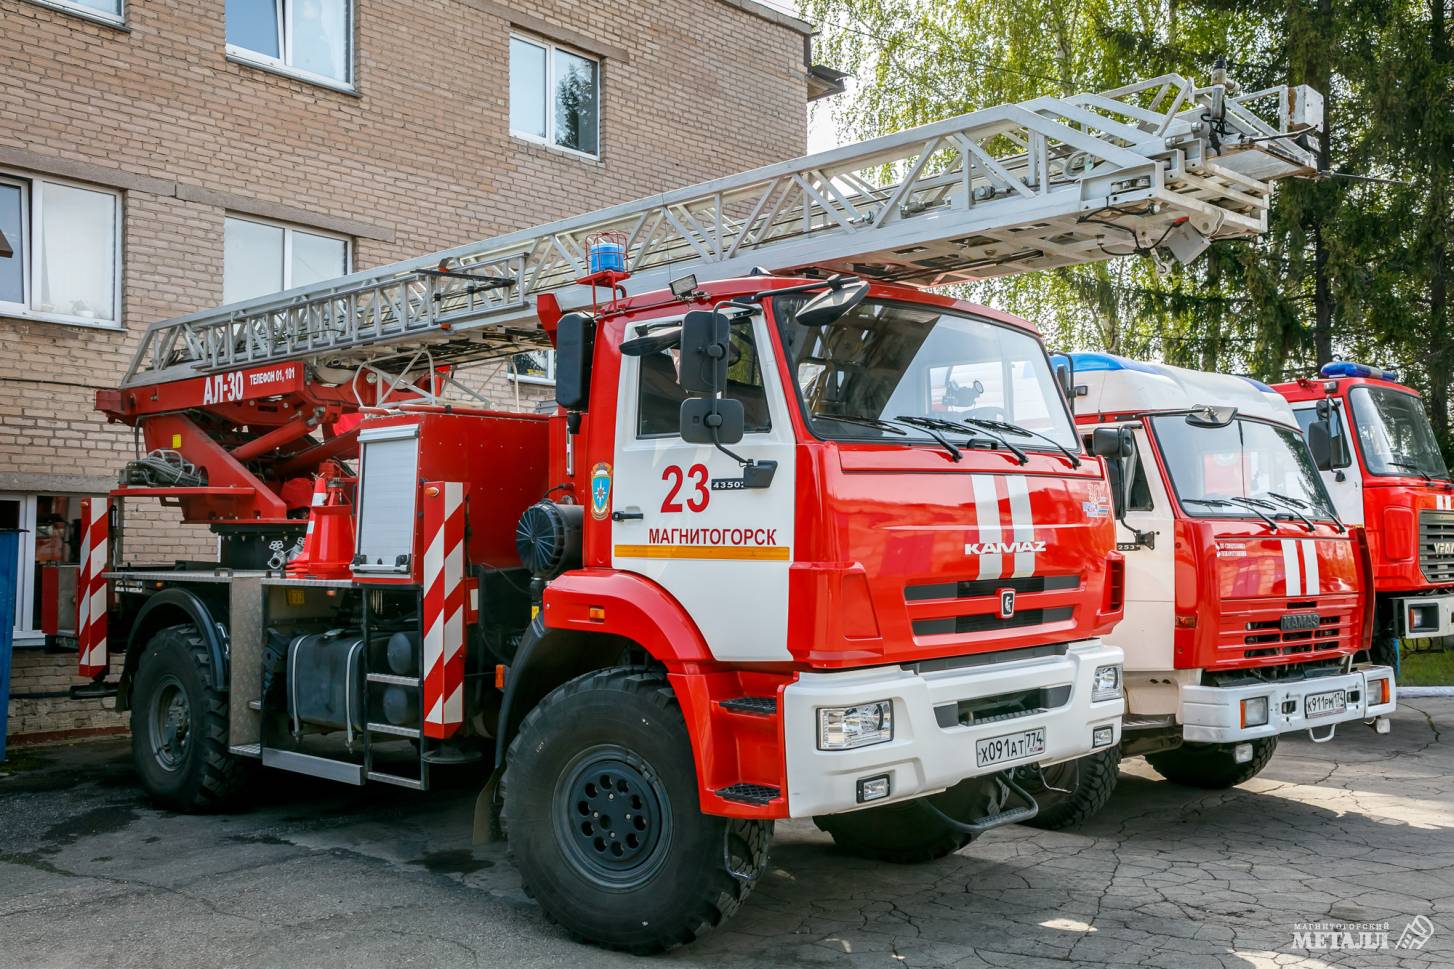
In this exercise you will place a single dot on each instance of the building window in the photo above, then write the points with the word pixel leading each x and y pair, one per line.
pixel 259 258
pixel 555 96
pixel 106 11
pixel 49 557
pixel 309 38
pixel 66 251
pixel 534 367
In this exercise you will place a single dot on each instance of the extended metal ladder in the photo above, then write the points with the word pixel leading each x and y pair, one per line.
pixel 1008 189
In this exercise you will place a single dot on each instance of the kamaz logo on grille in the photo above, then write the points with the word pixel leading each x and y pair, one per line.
pixel 1444 548
pixel 1002 548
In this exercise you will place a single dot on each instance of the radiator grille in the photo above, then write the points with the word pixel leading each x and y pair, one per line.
pixel 1436 545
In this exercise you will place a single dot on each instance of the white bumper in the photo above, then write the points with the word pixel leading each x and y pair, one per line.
pixel 1213 714
pixel 924 757
pixel 1420 617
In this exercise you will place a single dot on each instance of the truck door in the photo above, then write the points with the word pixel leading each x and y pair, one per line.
pixel 1345 481
pixel 681 515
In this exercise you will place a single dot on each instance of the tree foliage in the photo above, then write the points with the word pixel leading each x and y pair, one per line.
pixel 1349 268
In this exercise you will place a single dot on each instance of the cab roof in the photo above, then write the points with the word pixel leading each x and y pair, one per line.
pixel 1119 385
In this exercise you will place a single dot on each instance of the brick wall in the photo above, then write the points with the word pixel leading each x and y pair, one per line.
pixel 418 159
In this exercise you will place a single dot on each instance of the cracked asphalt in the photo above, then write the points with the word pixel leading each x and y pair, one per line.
pixel 1360 830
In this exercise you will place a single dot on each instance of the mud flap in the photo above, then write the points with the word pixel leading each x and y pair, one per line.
pixel 487 829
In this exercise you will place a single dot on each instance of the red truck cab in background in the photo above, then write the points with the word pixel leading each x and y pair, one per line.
pixel 1378 456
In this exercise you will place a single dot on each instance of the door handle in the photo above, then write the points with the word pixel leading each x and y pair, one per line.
pixel 626 516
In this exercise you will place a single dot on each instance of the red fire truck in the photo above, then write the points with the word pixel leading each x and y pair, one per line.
pixel 1373 443
pixel 808 544
pixel 1247 598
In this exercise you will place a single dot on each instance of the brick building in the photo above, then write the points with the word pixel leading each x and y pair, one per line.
pixel 161 156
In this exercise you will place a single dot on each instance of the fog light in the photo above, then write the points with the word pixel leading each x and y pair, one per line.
pixel 843 728
pixel 873 788
pixel 1102 736
pixel 1242 754
pixel 1254 714
pixel 1106 684
pixel 1423 619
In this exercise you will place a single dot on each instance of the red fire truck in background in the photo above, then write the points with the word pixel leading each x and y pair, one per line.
pixel 1248 601
pixel 1381 463
pixel 815 544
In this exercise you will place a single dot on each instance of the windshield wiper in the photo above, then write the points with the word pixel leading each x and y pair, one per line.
pixel 1296 505
pixel 960 428
pixel 1412 467
pixel 873 422
pixel 1256 507
pixel 1300 503
pixel 1007 426
pixel 929 426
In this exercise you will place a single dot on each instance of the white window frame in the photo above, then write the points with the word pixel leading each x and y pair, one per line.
pixel 523 378
pixel 288 230
pixel 90 13
pixel 27 625
pixel 549 94
pixel 31 209
pixel 280 65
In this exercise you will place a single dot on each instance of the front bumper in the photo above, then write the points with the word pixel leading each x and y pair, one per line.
pixel 1422 617
pixel 925 757
pixel 1213 714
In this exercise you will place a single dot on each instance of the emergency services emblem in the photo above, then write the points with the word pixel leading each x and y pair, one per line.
pixel 600 490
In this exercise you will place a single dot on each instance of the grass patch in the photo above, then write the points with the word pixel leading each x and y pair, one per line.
pixel 1427 669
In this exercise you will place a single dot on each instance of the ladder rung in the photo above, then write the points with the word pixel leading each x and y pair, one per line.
pixel 413 783
pixel 393 680
pixel 389 728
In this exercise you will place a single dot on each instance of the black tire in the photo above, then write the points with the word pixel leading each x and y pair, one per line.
pixel 179 726
pixel 1072 792
pixel 644 881
pixel 906 832
pixel 1211 766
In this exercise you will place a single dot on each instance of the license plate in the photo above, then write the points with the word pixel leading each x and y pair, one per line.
pixel 997 750
pixel 1325 704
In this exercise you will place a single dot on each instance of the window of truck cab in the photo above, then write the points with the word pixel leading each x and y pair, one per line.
pixel 1394 433
pixel 889 359
pixel 659 395
pixel 1216 471
pixel 65 238
pixel 308 39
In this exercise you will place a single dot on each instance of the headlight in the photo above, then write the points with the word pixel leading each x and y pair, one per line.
pixel 1254 711
pixel 843 728
pixel 1106 684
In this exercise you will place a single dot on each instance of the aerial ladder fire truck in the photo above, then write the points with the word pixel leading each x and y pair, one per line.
pixel 1248 599
pixel 801 539
pixel 1372 441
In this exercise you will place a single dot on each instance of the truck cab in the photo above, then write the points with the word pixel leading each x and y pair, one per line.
pixel 1382 466
pixel 1247 596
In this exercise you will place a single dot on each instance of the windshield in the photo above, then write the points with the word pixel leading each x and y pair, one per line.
pixel 886 361
pixel 1216 471
pixel 1394 433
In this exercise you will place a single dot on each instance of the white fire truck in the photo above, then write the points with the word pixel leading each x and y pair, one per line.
pixel 803 541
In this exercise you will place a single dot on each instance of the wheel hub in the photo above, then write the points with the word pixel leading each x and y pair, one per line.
pixel 612 816
pixel 171 724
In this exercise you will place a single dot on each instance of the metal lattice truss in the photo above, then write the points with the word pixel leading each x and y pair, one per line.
pixel 1008 189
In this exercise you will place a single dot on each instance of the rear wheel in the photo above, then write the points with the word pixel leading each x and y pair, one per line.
pixel 1074 791
pixel 907 832
pixel 601 812
pixel 1211 766
pixel 179 725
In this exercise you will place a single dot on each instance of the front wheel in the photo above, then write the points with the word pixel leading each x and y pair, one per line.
pixel 601 813
pixel 179 726
pixel 1072 792
pixel 1211 766
pixel 907 832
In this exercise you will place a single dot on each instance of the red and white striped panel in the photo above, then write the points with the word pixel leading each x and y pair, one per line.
pixel 445 606
pixel 91 660
pixel 1006 543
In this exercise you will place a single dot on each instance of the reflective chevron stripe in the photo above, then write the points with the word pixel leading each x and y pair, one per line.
pixel 91 589
pixel 445 607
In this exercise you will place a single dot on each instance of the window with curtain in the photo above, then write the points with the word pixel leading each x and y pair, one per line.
pixel 65 242
pixel 312 38
pixel 259 258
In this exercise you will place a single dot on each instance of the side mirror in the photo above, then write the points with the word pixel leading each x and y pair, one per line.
pixel 708 420
pixel 831 304
pixel 575 344
pixel 705 350
pixel 1064 369
pixel 1113 442
pixel 1118 446
pixel 1320 442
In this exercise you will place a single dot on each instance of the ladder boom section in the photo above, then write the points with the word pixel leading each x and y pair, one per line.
pixel 1055 181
